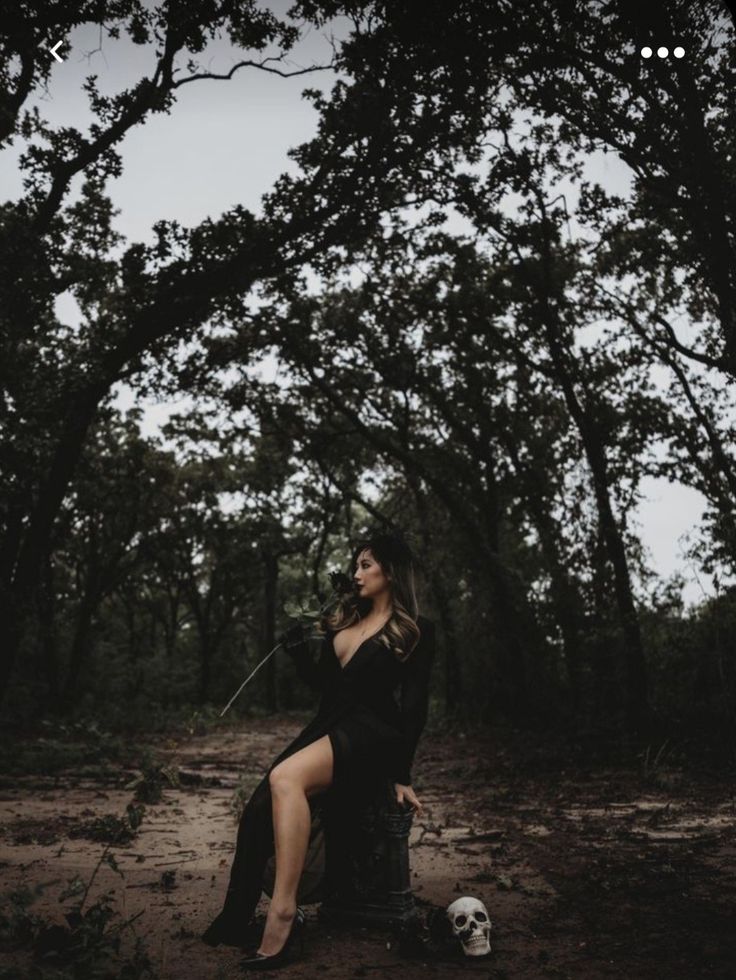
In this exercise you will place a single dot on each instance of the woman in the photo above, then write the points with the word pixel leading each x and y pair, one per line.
pixel 298 817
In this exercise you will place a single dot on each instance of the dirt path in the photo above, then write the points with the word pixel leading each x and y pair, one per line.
pixel 585 874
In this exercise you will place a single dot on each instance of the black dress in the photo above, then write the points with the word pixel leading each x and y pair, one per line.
pixel 373 709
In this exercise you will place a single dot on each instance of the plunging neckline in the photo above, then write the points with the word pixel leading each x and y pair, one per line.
pixel 357 649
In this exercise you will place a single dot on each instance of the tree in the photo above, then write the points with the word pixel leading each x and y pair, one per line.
pixel 398 120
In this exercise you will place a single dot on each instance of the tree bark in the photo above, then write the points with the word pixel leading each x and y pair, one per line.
pixel 637 693
pixel 80 644
pixel 47 621
pixel 270 583
pixel 453 678
pixel 565 597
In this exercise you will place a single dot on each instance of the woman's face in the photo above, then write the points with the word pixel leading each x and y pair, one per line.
pixel 370 579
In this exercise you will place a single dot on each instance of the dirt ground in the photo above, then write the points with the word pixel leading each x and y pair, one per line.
pixel 586 872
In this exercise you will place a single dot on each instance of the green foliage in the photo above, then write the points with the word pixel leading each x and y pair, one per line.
pixel 87 945
pixel 302 608
pixel 111 829
pixel 505 392
pixel 168 882
pixel 80 744
pixel 154 776
pixel 656 766
pixel 205 720
pixel 134 814
pixel 17 923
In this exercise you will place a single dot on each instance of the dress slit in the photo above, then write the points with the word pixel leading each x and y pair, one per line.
pixel 340 754
pixel 373 741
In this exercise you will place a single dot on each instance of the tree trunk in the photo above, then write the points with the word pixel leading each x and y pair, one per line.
pixel 80 644
pixel 637 696
pixel 47 621
pixel 205 668
pixel 270 581
pixel 453 665
pixel 508 620
pixel 565 597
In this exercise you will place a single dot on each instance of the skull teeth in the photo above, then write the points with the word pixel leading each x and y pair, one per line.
pixel 479 943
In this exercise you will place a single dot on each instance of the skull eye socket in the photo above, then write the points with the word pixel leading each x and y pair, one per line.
pixel 461 920
pixel 481 916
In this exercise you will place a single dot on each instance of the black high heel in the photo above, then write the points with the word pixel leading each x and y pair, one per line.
pixel 262 961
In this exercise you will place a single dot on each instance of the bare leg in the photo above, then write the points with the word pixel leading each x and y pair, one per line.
pixel 292 782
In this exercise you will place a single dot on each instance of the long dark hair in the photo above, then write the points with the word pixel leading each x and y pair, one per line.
pixel 393 554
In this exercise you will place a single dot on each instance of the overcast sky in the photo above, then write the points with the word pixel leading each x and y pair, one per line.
pixel 223 144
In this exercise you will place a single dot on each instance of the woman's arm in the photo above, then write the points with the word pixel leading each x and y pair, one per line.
pixel 415 700
pixel 299 648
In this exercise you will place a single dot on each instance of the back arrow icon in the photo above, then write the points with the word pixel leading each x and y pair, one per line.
pixel 54 49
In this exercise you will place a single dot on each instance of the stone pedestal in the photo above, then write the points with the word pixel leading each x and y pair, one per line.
pixel 376 888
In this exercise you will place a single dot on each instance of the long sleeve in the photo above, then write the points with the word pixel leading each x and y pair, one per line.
pixel 300 649
pixel 415 699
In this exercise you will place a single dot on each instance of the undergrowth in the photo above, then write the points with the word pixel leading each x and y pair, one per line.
pixel 87 946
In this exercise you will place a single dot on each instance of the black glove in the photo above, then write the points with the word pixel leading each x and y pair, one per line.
pixel 292 639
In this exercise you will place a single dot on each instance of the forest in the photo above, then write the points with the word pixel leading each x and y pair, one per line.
pixel 490 301
pixel 438 322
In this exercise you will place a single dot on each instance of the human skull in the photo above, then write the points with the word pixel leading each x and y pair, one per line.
pixel 470 925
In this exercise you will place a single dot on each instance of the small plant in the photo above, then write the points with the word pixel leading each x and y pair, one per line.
pixel 167 881
pixel 197 724
pixel 111 829
pixel 134 813
pixel 651 762
pixel 17 924
pixel 154 776
pixel 87 945
pixel 201 720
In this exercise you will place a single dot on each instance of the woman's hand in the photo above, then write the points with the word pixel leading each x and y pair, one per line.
pixel 405 794
pixel 292 639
